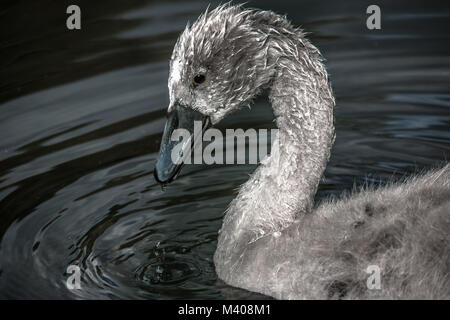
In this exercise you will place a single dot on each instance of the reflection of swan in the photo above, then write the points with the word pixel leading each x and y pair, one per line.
pixel 268 243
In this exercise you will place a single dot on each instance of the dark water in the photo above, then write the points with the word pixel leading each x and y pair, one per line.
pixel 82 113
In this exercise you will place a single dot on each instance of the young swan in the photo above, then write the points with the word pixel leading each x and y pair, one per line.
pixel 272 240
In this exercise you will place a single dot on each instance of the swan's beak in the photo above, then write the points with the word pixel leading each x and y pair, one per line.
pixel 173 152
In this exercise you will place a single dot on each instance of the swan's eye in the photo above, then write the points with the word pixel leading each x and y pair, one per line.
pixel 199 79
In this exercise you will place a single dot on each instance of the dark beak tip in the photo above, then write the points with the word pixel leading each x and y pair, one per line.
pixel 155 174
pixel 167 178
pixel 161 178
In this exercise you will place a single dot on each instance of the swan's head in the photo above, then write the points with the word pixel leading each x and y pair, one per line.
pixel 218 65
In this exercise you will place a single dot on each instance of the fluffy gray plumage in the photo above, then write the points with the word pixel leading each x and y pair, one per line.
pixel 273 241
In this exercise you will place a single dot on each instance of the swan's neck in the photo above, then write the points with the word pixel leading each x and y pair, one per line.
pixel 284 185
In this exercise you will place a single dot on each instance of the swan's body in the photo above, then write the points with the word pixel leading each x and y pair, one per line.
pixel 273 240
